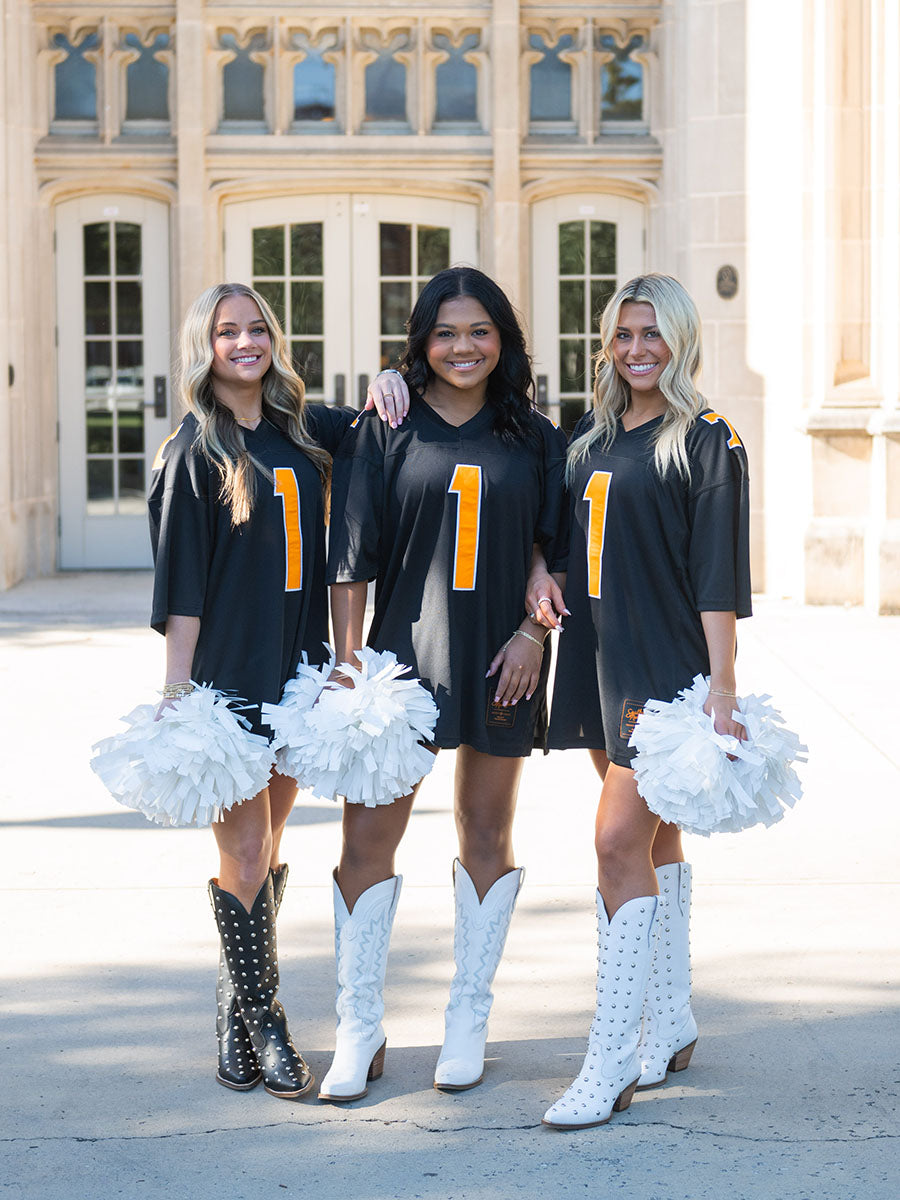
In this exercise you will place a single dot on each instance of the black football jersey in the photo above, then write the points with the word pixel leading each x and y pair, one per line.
pixel 258 589
pixel 444 518
pixel 647 556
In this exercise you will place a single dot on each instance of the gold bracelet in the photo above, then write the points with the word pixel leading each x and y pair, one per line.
pixel 719 692
pixel 522 633
pixel 175 691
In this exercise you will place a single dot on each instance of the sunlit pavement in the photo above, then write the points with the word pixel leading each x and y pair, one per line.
pixel 108 968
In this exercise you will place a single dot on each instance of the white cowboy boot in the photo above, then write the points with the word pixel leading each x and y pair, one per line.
pixel 612 1067
pixel 670 1031
pixel 478 940
pixel 361 940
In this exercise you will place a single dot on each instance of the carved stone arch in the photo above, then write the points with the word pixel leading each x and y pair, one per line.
pixel 643 190
pixel 115 183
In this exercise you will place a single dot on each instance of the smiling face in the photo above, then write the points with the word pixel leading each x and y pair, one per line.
pixel 639 353
pixel 464 345
pixel 242 348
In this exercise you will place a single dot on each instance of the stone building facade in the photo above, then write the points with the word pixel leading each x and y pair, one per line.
pixel 336 155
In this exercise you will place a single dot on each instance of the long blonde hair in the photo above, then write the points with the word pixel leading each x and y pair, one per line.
pixel 220 437
pixel 679 325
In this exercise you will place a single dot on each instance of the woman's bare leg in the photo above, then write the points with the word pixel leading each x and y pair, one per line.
pixel 486 788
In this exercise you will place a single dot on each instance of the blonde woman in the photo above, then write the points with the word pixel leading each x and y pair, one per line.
pixel 237 521
pixel 658 574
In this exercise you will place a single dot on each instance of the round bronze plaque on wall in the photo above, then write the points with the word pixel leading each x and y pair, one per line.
pixel 727 282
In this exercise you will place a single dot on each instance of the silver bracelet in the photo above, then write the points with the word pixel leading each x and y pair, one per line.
pixel 389 371
pixel 522 633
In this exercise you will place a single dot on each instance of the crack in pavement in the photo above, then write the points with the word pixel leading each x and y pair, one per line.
pixel 445 1129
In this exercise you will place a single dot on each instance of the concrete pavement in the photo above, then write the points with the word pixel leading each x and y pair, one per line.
pixel 108 971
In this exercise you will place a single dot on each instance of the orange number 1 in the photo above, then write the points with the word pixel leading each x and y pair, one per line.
pixel 597 494
pixel 286 488
pixel 466 485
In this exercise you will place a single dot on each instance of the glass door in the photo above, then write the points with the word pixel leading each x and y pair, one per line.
pixel 583 248
pixel 113 366
pixel 342 272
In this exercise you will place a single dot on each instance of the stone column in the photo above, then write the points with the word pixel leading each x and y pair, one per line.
pixel 506 255
pixel 191 233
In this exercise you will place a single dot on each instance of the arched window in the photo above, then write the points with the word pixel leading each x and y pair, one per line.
pixel 456 81
pixel 147 81
pixel 386 84
pixel 242 80
pixel 314 85
pixel 551 80
pixel 76 80
pixel 622 81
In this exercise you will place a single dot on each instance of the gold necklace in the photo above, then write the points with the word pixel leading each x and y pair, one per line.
pixel 258 417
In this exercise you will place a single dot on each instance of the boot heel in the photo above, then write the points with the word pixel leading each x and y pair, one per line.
pixel 625 1098
pixel 376 1066
pixel 679 1061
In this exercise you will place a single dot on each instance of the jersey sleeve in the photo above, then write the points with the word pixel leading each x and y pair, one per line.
pixel 552 530
pixel 328 425
pixel 180 531
pixel 357 497
pixel 719 548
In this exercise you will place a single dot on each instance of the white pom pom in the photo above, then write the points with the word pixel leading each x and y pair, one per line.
pixel 684 772
pixel 360 742
pixel 196 762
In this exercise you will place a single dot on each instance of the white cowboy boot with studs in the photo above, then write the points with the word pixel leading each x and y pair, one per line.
pixel 478 940
pixel 612 1067
pixel 361 941
pixel 670 1031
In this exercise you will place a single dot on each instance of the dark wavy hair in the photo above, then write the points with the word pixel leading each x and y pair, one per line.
pixel 510 386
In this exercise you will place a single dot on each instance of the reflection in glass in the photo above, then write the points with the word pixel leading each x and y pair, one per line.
pixel 96 308
pixel 243 80
pixel 571 248
pixel 307 360
pixel 386 86
pixel 603 248
pixel 306 250
pixel 570 413
pixel 99 427
pixel 274 293
pixel 128 248
pixel 391 353
pixel 306 308
pixel 601 291
pixel 396 249
pixel 434 249
pixel 551 80
pixel 131 485
pixel 571 365
pixel 456 80
pixel 99 479
pixel 622 81
pixel 268 250
pixel 96 249
pixel 147 81
pixel 571 306
pixel 314 84
pixel 76 80
pixel 97 368
pixel 128 308
pixel 130 426
pixel 130 365
pixel 395 306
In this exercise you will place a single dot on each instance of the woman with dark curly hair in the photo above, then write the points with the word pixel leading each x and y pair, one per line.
pixel 445 510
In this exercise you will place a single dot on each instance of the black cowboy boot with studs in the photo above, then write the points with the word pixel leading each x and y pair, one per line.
pixel 238 1065
pixel 251 956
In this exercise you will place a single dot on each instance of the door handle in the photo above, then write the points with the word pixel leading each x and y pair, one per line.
pixel 159 402
pixel 542 396
pixel 340 390
pixel 362 386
